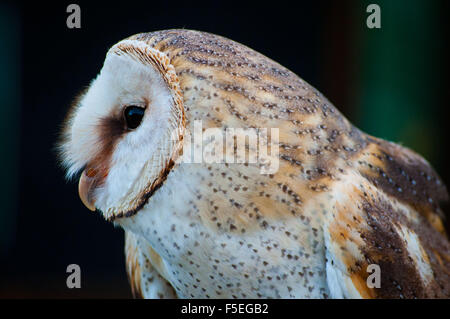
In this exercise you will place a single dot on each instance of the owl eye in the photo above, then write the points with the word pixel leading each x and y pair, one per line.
pixel 133 116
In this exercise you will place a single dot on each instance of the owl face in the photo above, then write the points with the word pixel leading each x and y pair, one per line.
pixel 125 132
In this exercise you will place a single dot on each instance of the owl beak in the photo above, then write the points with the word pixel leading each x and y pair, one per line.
pixel 85 188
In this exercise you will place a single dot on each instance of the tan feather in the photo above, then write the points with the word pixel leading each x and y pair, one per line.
pixel 132 264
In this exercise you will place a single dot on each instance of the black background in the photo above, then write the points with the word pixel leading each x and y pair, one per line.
pixel 53 228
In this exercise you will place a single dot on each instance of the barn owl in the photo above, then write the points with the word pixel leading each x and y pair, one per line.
pixel 338 202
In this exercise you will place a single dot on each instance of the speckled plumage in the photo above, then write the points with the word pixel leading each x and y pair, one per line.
pixel 341 199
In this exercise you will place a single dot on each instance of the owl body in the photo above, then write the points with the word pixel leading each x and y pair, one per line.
pixel 206 252
pixel 338 201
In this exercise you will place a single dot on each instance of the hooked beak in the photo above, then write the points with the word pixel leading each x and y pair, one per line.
pixel 86 188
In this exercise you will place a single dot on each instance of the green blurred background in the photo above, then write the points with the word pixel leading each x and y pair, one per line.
pixel 391 82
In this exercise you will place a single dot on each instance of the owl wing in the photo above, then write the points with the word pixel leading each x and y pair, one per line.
pixel 145 269
pixel 385 213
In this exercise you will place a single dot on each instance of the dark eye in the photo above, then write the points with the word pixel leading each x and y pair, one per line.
pixel 133 116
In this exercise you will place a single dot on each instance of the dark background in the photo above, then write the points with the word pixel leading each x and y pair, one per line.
pixel 391 82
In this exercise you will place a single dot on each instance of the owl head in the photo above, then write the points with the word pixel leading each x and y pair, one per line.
pixel 124 133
